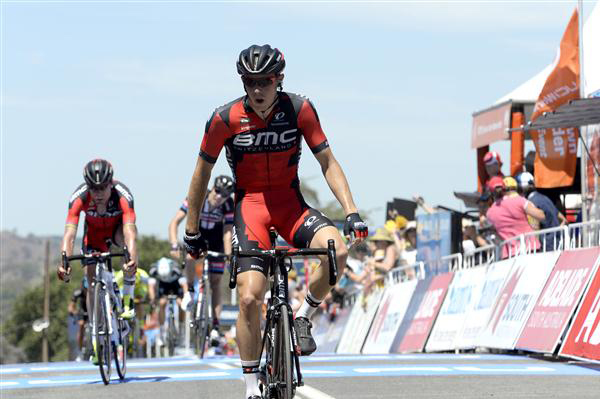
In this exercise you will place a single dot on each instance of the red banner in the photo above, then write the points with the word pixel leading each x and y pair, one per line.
pixel 583 339
pixel 556 155
pixel 416 336
pixel 558 300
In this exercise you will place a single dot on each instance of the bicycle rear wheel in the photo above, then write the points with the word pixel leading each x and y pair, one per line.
pixel 282 357
pixel 120 354
pixel 101 327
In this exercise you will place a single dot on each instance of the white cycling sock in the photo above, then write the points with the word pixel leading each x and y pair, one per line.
pixel 308 307
pixel 250 372
pixel 128 288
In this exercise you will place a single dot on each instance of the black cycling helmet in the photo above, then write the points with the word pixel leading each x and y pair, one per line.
pixel 224 185
pixel 97 173
pixel 260 60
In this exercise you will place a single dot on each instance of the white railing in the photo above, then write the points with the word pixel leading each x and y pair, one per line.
pixel 454 261
pixel 405 273
pixel 573 236
pixel 481 256
pixel 584 235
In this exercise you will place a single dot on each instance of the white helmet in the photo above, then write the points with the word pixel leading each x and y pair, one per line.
pixel 164 266
pixel 525 180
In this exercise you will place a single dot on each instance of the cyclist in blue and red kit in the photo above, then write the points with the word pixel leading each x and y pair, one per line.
pixel 262 133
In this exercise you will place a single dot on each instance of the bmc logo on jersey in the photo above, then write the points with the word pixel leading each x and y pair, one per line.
pixel 266 140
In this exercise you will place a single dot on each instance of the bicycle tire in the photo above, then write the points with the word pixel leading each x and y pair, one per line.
pixel 171 334
pixel 202 324
pixel 101 323
pixel 121 364
pixel 282 357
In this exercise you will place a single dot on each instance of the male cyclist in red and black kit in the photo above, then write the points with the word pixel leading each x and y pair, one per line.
pixel 262 133
pixel 109 218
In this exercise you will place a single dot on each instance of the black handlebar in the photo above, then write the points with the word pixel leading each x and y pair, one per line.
pixel 96 255
pixel 284 252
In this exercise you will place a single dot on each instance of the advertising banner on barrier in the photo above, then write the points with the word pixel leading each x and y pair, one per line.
pixel 478 316
pixel 359 322
pixel 391 311
pixel 327 342
pixel 558 300
pixel 516 300
pixel 463 294
pixel 583 338
pixel 414 329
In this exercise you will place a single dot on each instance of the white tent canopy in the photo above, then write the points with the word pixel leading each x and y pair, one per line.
pixel 530 90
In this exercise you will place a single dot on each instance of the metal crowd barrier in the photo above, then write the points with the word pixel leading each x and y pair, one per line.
pixel 572 236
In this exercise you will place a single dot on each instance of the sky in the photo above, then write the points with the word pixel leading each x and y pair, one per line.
pixel 394 83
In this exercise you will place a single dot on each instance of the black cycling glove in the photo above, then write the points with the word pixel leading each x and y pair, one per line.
pixel 355 225
pixel 194 244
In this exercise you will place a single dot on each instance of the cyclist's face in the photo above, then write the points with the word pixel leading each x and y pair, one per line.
pixel 216 198
pixel 261 90
pixel 101 194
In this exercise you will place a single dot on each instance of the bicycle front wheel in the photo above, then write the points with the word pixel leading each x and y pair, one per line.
pixel 101 330
pixel 202 324
pixel 120 349
pixel 171 335
pixel 282 357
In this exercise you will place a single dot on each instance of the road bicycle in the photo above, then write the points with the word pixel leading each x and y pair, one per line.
pixel 202 312
pixel 279 341
pixel 109 331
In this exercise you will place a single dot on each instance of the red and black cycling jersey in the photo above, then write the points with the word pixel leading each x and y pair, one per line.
pixel 263 155
pixel 98 227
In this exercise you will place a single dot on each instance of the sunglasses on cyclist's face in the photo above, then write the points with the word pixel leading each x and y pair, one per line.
pixel 99 189
pixel 260 82
pixel 220 192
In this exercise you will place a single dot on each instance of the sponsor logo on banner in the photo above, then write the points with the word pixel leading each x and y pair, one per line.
pixel 413 308
pixel 420 324
pixel 391 311
pixel 517 299
pixel 583 338
pixel 463 294
pixel 476 318
pixel 558 300
pixel 360 321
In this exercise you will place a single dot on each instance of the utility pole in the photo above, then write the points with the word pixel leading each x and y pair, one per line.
pixel 46 302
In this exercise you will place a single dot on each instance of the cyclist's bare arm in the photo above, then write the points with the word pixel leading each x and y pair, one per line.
pixel 336 179
pixel 227 232
pixel 174 225
pixel 197 193
pixel 130 236
pixel 69 239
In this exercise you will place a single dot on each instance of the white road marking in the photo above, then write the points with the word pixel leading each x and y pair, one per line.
pixel 186 375
pixel 13 370
pixel 44 382
pixel 500 370
pixel 8 383
pixel 222 366
pixel 312 393
pixel 387 369
pixel 321 372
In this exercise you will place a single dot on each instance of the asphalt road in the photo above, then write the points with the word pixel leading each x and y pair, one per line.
pixel 326 376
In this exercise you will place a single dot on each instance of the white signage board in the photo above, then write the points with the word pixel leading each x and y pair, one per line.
pixel 391 311
pixel 479 314
pixel 463 294
pixel 517 299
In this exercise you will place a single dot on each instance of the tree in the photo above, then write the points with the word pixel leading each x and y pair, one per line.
pixel 151 249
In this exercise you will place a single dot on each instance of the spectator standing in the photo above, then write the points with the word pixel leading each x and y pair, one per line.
pixel 552 217
pixel 385 254
pixel 509 215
